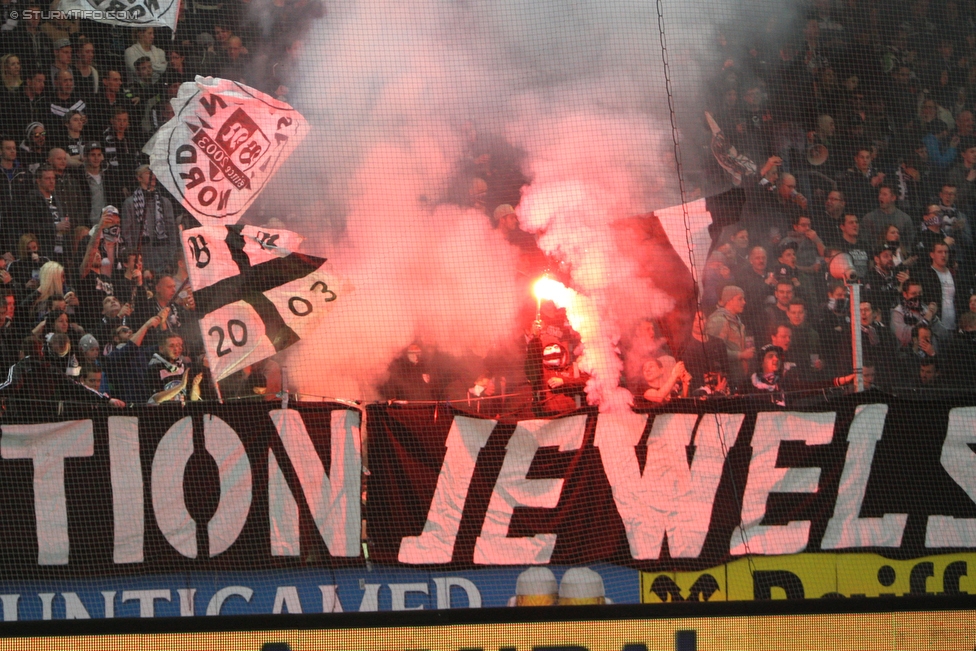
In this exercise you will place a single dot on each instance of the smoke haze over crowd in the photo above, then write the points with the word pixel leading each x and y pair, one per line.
pixel 388 88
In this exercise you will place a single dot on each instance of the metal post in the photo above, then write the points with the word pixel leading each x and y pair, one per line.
pixel 283 394
pixel 858 355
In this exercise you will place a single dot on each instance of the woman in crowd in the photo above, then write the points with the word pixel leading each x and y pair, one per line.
pixel 892 240
pixel 10 71
pixel 773 377
pixel 50 284
pixel 26 269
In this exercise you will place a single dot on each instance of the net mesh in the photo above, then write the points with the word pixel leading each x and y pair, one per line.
pixel 531 304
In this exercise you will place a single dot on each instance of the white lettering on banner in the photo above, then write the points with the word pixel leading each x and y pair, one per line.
pixel 48 445
pixel 9 606
pixel 670 497
pixel 47 602
pixel 108 596
pixel 846 528
pixel 751 537
pixel 333 500
pixel 443 587
pixel 128 509
pixel 959 460
pixel 186 596
pixel 512 489
pixel 147 600
pixel 282 512
pixel 286 600
pixel 234 470
pixel 222 595
pixel 465 441
pixel 330 599
pixel 398 595
pixel 168 467
pixel 73 608
pixel 371 598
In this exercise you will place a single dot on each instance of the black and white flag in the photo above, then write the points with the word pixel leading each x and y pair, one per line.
pixel 258 296
pixel 128 13
pixel 224 144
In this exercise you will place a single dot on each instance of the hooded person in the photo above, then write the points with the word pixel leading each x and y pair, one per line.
pixel 33 149
pixel 411 378
pixel 58 352
pixel 557 384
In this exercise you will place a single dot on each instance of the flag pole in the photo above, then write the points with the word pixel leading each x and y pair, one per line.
pixel 213 380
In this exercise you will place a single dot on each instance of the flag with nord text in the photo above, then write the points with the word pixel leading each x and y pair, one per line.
pixel 222 146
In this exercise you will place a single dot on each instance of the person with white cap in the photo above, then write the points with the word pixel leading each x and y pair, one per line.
pixel 508 224
pixel 581 586
pixel 535 586
pixel 89 349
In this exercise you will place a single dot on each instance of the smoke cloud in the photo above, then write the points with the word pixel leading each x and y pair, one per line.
pixel 388 87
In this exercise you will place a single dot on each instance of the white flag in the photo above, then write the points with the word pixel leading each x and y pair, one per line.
pixel 256 294
pixel 129 13
pixel 222 147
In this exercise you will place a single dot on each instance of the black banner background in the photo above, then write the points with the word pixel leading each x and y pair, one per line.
pixel 405 454
pixel 88 491
pixel 906 477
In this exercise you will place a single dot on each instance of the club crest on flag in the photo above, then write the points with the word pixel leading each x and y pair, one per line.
pixel 224 144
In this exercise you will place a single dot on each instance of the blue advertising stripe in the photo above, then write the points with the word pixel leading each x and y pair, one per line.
pixel 380 588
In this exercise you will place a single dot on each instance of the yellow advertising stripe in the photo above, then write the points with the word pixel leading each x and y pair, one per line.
pixel 919 631
pixel 813 576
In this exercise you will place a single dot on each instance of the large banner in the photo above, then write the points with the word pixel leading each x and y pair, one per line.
pixel 243 486
pixel 250 508
pixel 671 491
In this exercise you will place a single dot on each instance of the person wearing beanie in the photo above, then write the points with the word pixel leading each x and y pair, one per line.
pixel 771 377
pixel 725 324
pixel 508 224
pixel 89 349
pixel 932 232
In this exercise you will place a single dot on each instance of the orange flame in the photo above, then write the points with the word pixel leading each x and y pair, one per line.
pixel 552 290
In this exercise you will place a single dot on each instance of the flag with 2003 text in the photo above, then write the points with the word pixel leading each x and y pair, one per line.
pixel 257 294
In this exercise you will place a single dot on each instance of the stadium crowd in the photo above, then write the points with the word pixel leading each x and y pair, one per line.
pixel 96 306
pixel 847 131
pixel 844 127
pixel 850 131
